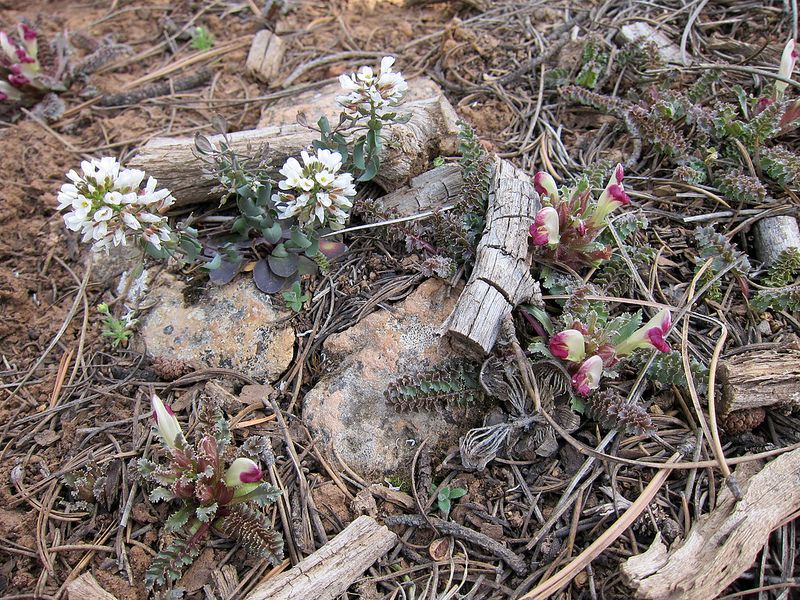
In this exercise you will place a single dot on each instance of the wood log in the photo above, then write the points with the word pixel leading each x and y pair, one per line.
pixel 408 149
pixel 723 544
pixel 774 235
pixel 758 379
pixel 432 190
pixel 328 572
pixel 501 277
pixel 86 587
pixel 265 56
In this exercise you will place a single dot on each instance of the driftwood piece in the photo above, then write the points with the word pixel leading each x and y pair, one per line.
pixel 407 149
pixel 640 31
pixel 432 190
pixel 265 56
pixel 328 572
pixel 758 379
pixel 501 277
pixel 773 235
pixel 86 587
pixel 724 543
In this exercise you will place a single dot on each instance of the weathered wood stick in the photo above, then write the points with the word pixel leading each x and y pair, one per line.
pixel 724 543
pixel 265 56
pixel 773 235
pixel 407 150
pixel 501 278
pixel 760 379
pixel 328 572
pixel 432 190
pixel 86 587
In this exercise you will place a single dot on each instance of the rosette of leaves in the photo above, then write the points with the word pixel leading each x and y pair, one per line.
pixel 193 476
pixel 279 252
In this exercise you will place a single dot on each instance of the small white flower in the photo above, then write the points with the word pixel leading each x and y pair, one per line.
pixel 324 178
pixel 315 192
pixel 368 90
pixel 103 213
pixel 108 204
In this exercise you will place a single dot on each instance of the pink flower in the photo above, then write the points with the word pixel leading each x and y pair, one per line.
pixel 242 470
pixel 652 334
pixel 544 230
pixel 28 34
pixel 788 60
pixel 587 377
pixel 612 197
pixel 545 185
pixel 568 345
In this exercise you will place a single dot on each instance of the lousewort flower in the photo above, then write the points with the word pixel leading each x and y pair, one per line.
pixel 788 60
pixel 20 59
pixel 169 430
pixel 368 91
pixel 316 192
pixel 242 470
pixel 651 334
pixel 107 204
pixel 587 377
pixel 568 345
pixel 545 185
pixel 544 230
pixel 612 198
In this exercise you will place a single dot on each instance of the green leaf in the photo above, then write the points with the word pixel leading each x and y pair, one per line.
pixel 540 315
pixel 273 233
pixel 299 239
pixel 206 514
pixel 358 155
pixel 260 493
pixel 457 493
pixel 214 263
pixel 444 506
pixel 160 494
pixel 371 170
pixel 178 519
pixel 324 125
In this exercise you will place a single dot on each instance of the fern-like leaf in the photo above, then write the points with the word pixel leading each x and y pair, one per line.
pixel 787 298
pixel 454 384
pixel 168 565
pixel 253 531
pixel 784 269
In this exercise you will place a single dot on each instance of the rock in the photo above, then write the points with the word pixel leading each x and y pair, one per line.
pixel 347 408
pixel 233 326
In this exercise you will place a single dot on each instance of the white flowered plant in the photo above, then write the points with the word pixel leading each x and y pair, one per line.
pixel 109 205
pixel 368 91
pixel 315 191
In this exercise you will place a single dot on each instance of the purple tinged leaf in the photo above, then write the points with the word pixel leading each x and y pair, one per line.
pixel 225 272
pixel 283 266
pixel 332 249
pixel 265 280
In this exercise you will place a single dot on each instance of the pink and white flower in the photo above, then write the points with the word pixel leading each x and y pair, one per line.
pixel 568 345
pixel 242 470
pixel 588 375
pixel 545 185
pixel 788 61
pixel 544 230
pixel 613 197
pixel 652 334
pixel 169 430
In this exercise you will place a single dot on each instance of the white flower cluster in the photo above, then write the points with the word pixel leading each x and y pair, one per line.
pixel 107 204
pixel 316 191
pixel 368 91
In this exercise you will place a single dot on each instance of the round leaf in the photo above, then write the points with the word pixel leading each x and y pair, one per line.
pixel 265 280
pixel 283 266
